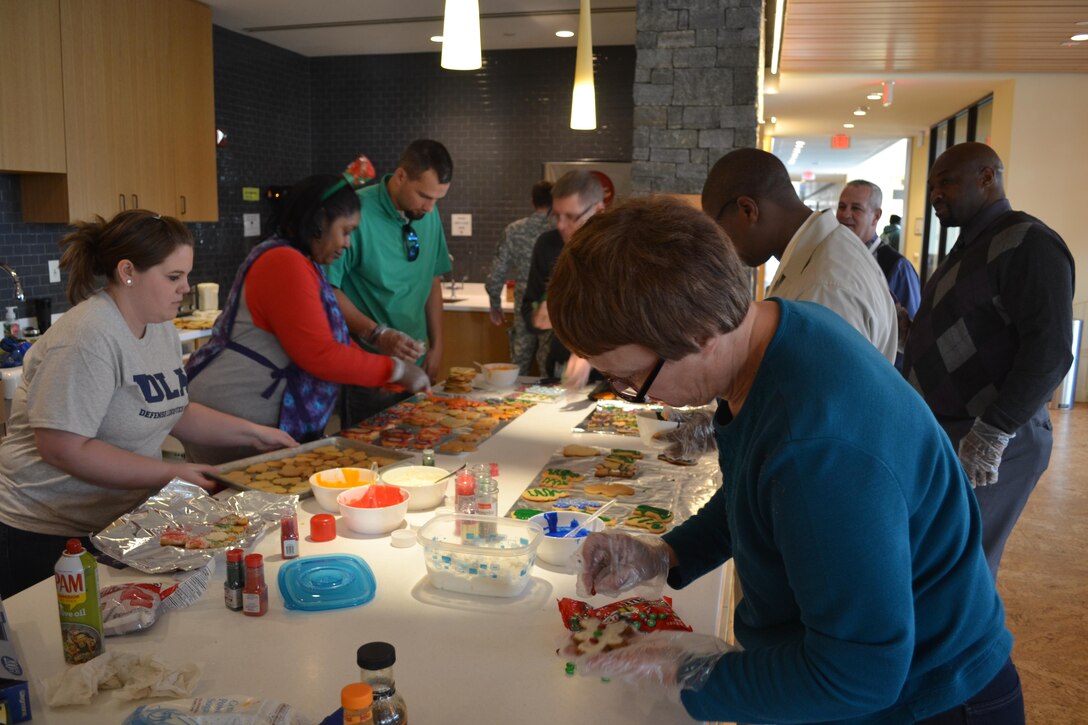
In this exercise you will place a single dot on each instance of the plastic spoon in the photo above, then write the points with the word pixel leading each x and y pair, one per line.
pixel 585 523
pixel 451 473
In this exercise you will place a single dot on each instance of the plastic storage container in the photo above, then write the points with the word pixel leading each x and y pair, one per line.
pixel 459 559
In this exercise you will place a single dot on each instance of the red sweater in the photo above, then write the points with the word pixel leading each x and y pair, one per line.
pixel 283 294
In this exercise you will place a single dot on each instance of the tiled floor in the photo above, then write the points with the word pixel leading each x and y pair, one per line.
pixel 1044 581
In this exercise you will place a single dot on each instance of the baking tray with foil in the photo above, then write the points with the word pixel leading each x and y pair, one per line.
pixel 134 538
pixel 682 490
pixel 287 471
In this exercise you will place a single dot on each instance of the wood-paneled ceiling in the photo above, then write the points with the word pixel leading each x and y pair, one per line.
pixel 934 36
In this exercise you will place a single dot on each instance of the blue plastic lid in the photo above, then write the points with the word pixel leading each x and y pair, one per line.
pixel 317 583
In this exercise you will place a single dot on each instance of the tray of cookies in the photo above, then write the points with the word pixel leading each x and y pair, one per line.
pixel 651 494
pixel 288 470
pixel 449 424
pixel 615 417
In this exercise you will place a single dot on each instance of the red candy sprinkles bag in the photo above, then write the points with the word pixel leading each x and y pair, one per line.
pixel 643 615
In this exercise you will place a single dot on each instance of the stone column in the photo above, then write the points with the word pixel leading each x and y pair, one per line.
pixel 697 70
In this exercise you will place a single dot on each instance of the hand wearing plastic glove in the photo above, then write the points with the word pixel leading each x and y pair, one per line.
pixel 980 452
pixel 399 345
pixel 674 661
pixel 611 562
pixel 692 438
pixel 411 377
pixel 576 373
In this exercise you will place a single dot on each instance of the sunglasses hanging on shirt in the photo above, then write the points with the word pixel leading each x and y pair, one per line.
pixel 411 241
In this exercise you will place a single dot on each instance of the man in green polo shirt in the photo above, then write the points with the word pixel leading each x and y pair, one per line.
pixel 388 282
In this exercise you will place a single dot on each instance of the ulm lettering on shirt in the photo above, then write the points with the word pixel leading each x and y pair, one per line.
pixel 155 388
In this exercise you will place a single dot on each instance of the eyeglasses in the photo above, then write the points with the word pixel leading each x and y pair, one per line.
pixel 411 241
pixel 626 391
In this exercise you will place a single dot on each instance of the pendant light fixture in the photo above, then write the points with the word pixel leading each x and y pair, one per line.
pixel 461 35
pixel 583 103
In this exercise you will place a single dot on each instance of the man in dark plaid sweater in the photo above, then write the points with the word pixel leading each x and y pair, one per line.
pixel 993 336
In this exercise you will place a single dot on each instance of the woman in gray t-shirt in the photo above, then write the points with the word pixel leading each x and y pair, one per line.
pixel 100 392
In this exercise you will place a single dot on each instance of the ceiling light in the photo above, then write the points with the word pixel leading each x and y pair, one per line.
pixel 874 96
pixel 436 38
pixel 774 120
pixel 776 41
pixel 861 110
pixel 583 101
pixel 564 33
pixel 461 33
pixel 1079 37
pixel 848 125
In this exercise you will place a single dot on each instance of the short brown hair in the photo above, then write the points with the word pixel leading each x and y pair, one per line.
pixel 581 182
pixel 424 155
pixel 97 247
pixel 651 271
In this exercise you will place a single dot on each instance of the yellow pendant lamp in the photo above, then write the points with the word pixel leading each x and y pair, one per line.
pixel 461 35
pixel 583 103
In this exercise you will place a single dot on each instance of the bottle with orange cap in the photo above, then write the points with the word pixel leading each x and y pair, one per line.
pixel 356 700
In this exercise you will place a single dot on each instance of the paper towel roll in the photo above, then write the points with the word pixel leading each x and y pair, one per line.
pixel 208 292
pixel 11 377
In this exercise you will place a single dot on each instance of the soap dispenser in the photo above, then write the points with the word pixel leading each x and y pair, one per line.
pixel 11 324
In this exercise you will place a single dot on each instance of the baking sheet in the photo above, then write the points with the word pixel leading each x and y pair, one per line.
pixel 133 539
pixel 303 491
pixel 617 417
pixel 680 489
pixel 447 423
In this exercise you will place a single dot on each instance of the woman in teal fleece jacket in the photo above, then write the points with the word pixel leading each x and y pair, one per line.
pixel 854 532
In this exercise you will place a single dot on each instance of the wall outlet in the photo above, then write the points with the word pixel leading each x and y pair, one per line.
pixel 251 225
pixel 54 271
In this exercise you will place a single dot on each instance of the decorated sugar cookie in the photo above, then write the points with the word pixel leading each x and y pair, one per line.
pixel 627 453
pixel 563 473
pixel 646 522
pixel 543 494
pixel 593 638
pixel 617 469
pixel 663 515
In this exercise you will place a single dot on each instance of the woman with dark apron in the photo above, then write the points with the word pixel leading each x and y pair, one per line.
pixel 280 350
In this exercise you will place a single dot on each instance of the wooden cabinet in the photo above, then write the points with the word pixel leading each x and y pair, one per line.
pixel 31 91
pixel 138 113
pixel 469 337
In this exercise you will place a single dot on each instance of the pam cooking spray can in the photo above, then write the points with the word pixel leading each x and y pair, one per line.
pixel 81 633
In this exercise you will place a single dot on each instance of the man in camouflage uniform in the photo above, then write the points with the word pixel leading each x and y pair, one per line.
pixel 512 262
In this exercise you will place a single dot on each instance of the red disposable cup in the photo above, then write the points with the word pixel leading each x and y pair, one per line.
pixel 322 527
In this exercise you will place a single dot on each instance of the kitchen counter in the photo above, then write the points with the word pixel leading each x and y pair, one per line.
pixel 472 297
pixel 465 659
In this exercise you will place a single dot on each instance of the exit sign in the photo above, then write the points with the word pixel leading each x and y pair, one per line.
pixel 840 141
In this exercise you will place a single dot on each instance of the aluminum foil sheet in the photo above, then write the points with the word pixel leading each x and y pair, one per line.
pixel 134 537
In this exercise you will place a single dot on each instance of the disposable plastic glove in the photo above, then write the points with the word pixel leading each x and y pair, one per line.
pixel 397 344
pixel 692 438
pixel 673 661
pixel 610 562
pixel 412 378
pixel 980 452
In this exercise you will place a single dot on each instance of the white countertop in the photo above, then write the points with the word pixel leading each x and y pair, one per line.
pixel 472 297
pixel 494 663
